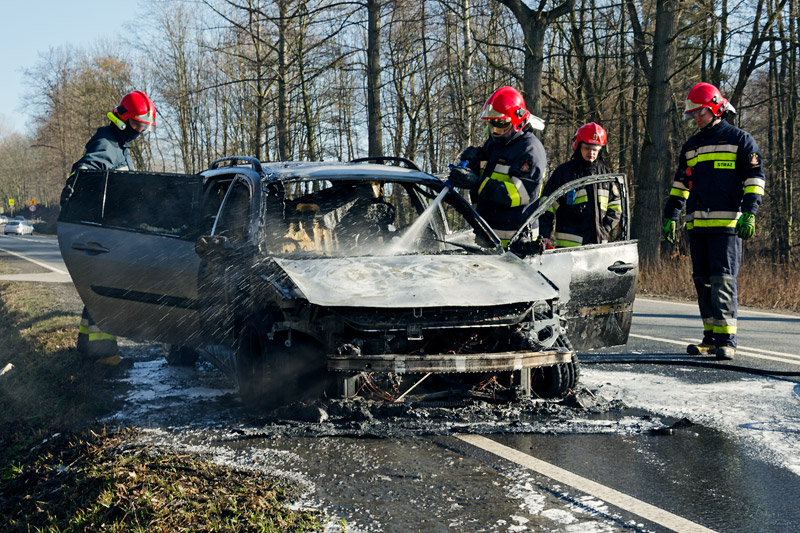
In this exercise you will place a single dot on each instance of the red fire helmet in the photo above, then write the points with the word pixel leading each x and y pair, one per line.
pixel 591 133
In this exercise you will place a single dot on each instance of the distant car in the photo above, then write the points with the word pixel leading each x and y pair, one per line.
pixel 18 227
pixel 293 276
pixel 3 219
pixel 18 218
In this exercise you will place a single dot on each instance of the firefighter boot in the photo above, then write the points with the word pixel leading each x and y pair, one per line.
pixel 700 349
pixel 725 353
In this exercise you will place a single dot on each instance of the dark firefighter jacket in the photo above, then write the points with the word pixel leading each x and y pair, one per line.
pixel 583 216
pixel 106 150
pixel 512 181
pixel 719 175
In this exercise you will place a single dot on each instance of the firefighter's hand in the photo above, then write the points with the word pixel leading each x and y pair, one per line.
pixel 746 225
pixel 66 194
pixel 669 230
pixel 471 156
pixel 463 177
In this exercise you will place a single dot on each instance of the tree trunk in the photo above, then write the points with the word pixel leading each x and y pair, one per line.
pixel 653 177
pixel 374 130
pixel 284 143
pixel 534 24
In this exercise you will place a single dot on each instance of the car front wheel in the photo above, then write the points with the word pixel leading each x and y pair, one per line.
pixel 555 381
pixel 278 371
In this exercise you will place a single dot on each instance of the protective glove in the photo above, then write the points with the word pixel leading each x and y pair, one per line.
pixel 463 177
pixel 669 230
pixel 471 156
pixel 66 194
pixel 746 225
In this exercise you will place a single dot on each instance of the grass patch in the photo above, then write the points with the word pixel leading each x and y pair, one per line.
pixel 60 472
pixel 51 388
pixel 99 481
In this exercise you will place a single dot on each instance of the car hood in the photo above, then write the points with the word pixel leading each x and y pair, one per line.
pixel 417 281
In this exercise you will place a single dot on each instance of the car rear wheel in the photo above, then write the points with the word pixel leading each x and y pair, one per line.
pixel 178 355
pixel 555 381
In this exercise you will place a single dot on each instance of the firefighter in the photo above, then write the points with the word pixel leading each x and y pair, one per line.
pixel 505 175
pixel 587 215
pixel 720 179
pixel 108 150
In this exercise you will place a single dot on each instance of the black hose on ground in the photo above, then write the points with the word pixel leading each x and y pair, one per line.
pixel 699 364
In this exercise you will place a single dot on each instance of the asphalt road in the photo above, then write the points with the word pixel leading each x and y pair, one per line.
pixel 692 444
pixel 662 329
pixel 41 252
pixel 684 448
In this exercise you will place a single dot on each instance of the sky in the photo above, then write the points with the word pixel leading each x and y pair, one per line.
pixel 32 27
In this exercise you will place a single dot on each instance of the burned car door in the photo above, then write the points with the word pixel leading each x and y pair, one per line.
pixel 597 282
pixel 128 241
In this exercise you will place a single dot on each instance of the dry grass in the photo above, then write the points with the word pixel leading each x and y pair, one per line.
pixel 761 284
pixel 100 482
pixel 59 474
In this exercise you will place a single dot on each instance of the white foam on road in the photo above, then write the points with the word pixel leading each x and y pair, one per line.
pixel 763 411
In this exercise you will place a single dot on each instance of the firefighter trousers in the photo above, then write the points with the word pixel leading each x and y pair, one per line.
pixel 92 342
pixel 716 258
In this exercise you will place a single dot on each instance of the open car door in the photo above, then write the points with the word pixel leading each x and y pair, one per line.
pixel 597 282
pixel 128 241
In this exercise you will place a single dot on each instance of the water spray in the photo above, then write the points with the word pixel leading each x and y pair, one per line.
pixel 404 243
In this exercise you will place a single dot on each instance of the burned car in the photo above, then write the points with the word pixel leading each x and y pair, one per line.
pixel 304 279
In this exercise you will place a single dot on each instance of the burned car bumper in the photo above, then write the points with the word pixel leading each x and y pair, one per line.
pixel 449 363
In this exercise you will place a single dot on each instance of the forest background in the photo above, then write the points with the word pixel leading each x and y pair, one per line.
pixel 336 80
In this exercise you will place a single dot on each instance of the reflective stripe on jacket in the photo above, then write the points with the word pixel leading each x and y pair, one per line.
pixel 512 180
pixel 586 215
pixel 719 176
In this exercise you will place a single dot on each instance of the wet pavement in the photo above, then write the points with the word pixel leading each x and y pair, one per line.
pixel 709 445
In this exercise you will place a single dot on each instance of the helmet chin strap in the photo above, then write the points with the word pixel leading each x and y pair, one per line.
pixel 713 122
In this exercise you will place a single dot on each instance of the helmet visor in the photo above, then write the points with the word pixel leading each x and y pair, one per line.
pixel 500 126
pixel 146 121
pixel 691 114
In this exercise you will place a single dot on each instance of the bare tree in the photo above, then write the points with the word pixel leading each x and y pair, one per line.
pixel 652 177
pixel 534 24
pixel 374 127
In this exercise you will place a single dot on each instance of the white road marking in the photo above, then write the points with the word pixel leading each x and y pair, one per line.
pixel 607 494
pixel 48 267
pixel 750 352
pixel 748 311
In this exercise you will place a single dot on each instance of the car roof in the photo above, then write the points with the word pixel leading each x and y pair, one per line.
pixel 299 170
pixel 326 170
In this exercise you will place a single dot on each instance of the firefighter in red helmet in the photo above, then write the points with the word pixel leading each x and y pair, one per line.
pixel 720 179
pixel 135 111
pixel 587 215
pixel 505 174
pixel 108 150
pixel 108 147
